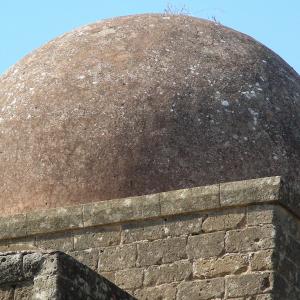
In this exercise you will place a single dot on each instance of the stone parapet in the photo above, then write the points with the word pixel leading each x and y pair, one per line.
pixel 198 199
pixel 236 240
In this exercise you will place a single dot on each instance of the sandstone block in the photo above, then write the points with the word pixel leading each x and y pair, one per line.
pixel 262 260
pixel 205 245
pixel 183 225
pixel 11 268
pixel 161 251
pixel 201 289
pixel 228 219
pixel 249 284
pixel 157 275
pixel 250 239
pixel 27 243
pixel 164 291
pixel 13 226
pixel 53 220
pixel 87 257
pixel 58 241
pixel 97 237
pixel 117 258
pixel 146 230
pixel 219 267
pixel 6 293
pixel 129 278
pixel 263 214
pixel 250 191
pixel 120 210
pixel 23 292
pixel 189 200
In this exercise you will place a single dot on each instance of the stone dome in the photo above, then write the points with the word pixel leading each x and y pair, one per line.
pixel 144 104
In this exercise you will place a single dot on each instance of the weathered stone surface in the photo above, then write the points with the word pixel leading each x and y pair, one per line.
pixel 6 293
pixel 164 291
pixel 117 258
pixel 115 211
pixel 52 220
pixel 250 239
pixel 249 284
pixel 183 225
pixel 52 275
pixel 157 275
pixel 23 291
pixel 219 267
pixel 263 260
pixel 263 214
pixel 11 268
pixel 13 227
pixel 59 241
pixel 224 220
pixel 161 251
pixel 129 278
pixel 146 230
pixel 114 114
pixel 189 200
pixel 201 289
pixel 97 237
pixel 89 257
pixel 205 245
pixel 249 191
pixel 18 244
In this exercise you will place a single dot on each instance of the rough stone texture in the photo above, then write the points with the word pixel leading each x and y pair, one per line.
pixel 52 276
pixel 247 250
pixel 144 104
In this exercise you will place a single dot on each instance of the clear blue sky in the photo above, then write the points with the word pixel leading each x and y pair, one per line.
pixel 26 25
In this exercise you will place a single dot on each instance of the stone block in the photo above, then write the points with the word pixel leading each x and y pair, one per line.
pixel 250 191
pixel 263 214
pixel 262 260
pixel 53 220
pixel 140 231
pixel 222 266
pixel 201 289
pixel 189 200
pixel 157 275
pixel 162 292
pixel 120 210
pixel 183 225
pixel 249 284
pixel 13 226
pixel 129 278
pixel 23 291
pixel 205 245
pixel 224 220
pixel 20 244
pixel 89 257
pixel 58 241
pixel 117 258
pixel 97 237
pixel 161 251
pixel 250 239
pixel 7 293
pixel 11 268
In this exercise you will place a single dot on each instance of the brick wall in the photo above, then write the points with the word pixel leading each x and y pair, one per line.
pixel 225 241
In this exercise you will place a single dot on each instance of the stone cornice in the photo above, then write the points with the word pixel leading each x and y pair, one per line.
pixel 213 197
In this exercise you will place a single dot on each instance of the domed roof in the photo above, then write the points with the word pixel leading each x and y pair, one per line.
pixel 144 104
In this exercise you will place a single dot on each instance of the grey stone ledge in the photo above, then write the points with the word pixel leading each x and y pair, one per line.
pixel 198 199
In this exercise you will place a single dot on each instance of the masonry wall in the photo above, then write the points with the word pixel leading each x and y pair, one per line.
pixel 226 241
